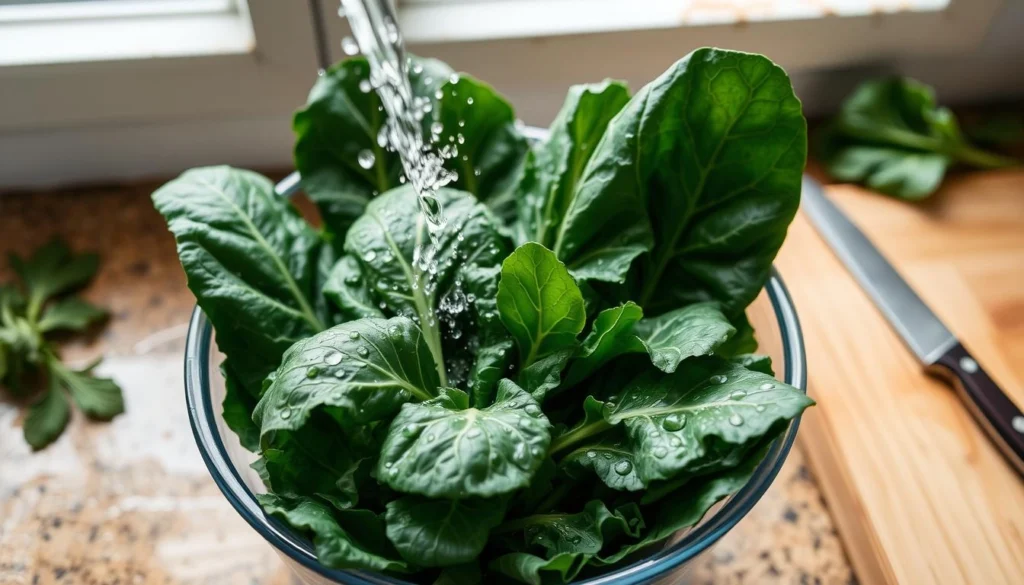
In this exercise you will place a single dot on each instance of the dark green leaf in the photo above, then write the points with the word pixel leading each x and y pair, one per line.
pixel 610 457
pixel 490 150
pixel 364 370
pixel 74 314
pixel 336 546
pixel 721 187
pixel 691 331
pixel 545 374
pixel 324 460
pixel 441 533
pixel 238 406
pixel 51 270
pixel 340 121
pixel 347 288
pixel 583 533
pixel 892 136
pixel 385 241
pixel 47 418
pixel 742 341
pixel 250 261
pixel 534 570
pixel 492 348
pixel 527 500
pixel 611 334
pixel 442 449
pixel 98 398
pixel 684 509
pixel 464 574
pixel 706 414
pixel 539 302
pixel 549 186
pixel 755 362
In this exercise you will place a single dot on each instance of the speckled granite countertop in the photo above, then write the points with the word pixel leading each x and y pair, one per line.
pixel 131 502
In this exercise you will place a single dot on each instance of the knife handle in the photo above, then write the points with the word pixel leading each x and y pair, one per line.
pixel 992 408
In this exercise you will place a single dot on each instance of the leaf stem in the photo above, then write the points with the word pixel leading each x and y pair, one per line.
pixel 579 434
pixel 428 320
pixel 979 158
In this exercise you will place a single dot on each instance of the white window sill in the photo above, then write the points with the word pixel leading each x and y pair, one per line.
pixel 444 21
pixel 36 41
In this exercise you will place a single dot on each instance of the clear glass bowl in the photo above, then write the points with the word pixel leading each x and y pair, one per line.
pixel 778 331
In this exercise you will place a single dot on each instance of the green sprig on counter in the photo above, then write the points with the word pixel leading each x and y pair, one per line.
pixel 892 136
pixel 29 363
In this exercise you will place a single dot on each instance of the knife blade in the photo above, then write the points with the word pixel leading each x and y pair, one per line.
pixel 938 349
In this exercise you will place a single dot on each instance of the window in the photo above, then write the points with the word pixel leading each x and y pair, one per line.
pixel 102 89
pixel 450 20
pixel 95 89
pixel 62 31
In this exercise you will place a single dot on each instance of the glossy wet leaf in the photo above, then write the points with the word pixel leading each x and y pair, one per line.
pixel 691 331
pixel 545 374
pixel 321 460
pixel 610 457
pixel 755 362
pixel 336 546
pixel 348 289
pixel 535 570
pixel 539 302
pixel 363 370
pixel 611 334
pixel 441 533
pixel 685 507
pixel 718 190
pixel 585 532
pixel 706 414
pixel 480 124
pixel 493 348
pixel 385 241
pixel 339 122
pixel 250 261
pixel 443 448
pixel 544 196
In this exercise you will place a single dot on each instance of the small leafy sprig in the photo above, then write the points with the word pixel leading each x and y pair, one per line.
pixel 29 362
pixel 892 136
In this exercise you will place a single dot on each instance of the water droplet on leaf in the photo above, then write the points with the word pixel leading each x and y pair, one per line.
pixel 674 422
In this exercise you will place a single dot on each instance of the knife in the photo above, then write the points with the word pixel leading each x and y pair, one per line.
pixel 933 344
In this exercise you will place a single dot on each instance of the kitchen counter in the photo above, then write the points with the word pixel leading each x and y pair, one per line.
pixel 131 502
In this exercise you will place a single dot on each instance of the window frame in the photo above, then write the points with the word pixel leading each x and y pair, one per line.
pixel 265 77
pixel 130 118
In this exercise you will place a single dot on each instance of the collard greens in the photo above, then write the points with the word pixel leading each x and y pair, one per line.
pixel 569 382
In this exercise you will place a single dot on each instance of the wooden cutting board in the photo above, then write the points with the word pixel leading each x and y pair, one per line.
pixel 918 493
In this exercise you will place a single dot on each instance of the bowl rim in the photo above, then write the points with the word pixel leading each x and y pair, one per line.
pixel 203 416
